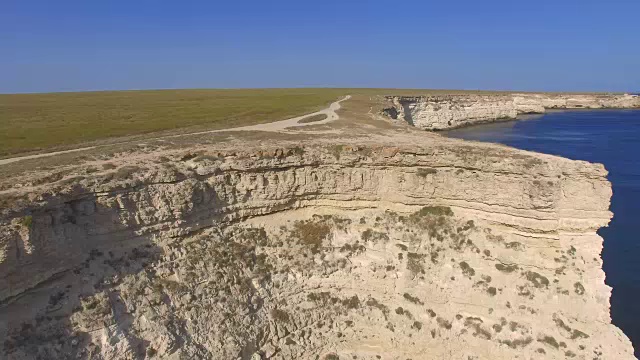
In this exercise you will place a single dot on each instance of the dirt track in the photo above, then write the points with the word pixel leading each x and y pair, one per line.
pixel 273 126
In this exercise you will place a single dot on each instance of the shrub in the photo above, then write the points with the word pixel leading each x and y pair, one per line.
pixel 27 221
pixel 412 299
pixel 415 263
pixel 435 211
pixel 311 234
pixel 280 315
pixel 423 172
pixel 538 280
pixel 466 269
pixel 506 268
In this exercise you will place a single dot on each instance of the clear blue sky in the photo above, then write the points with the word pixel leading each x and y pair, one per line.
pixel 466 44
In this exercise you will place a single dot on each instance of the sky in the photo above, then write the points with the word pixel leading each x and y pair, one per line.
pixel 543 45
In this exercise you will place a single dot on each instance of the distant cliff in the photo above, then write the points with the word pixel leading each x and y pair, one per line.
pixel 453 111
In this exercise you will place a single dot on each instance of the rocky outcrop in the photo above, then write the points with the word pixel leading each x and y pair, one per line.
pixel 453 111
pixel 441 250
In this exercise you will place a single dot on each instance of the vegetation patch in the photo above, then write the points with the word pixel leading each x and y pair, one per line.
pixel 40 121
pixel 351 303
pixel 371 235
pixel 311 234
pixel 514 245
pixel 506 268
pixel 423 172
pixel 575 334
pixel 280 315
pixel 405 312
pixel 374 303
pixel 353 249
pixel 518 343
pixel 412 299
pixel 551 341
pixel 313 118
pixel 538 280
pixel 402 247
pixel 466 269
pixel 434 211
pixel 476 324
pixel 415 263
pixel 444 323
pixel 27 221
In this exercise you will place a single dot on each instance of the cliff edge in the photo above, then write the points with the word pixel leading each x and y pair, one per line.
pixel 443 112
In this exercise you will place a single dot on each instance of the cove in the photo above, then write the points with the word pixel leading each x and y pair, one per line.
pixel 610 137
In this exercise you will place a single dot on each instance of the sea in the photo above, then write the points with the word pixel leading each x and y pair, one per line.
pixel 610 137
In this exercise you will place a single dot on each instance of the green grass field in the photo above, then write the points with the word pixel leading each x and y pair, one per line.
pixel 33 122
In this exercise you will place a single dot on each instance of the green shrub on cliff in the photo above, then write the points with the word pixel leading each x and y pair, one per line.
pixel 27 221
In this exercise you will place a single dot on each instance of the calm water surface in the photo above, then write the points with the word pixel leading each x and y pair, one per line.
pixel 610 137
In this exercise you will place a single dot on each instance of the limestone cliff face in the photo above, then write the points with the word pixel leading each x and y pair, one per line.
pixel 447 250
pixel 452 111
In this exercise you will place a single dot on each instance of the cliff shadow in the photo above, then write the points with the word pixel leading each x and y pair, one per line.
pixel 66 261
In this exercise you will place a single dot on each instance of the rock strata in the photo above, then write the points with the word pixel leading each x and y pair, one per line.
pixel 453 111
pixel 442 250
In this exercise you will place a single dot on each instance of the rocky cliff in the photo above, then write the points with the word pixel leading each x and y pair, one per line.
pixel 440 249
pixel 452 111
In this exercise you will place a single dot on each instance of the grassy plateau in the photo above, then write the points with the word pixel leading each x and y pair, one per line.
pixel 35 122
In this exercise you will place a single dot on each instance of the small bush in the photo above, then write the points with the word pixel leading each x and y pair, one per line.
pixel 444 323
pixel 434 211
pixel 311 234
pixel 27 221
pixel 415 263
pixel 423 172
pixel 549 340
pixel 372 302
pixel 538 280
pixel 466 269
pixel 280 315
pixel 371 235
pixel 517 342
pixel 352 302
pixel 412 299
pixel 506 268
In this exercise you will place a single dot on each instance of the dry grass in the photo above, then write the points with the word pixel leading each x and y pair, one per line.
pixel 32 122
pixel 313 118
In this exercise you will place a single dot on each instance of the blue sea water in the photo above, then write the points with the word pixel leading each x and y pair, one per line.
pixel 610 137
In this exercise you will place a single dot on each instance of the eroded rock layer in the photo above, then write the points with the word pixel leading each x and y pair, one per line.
pixel 448 250
pixel 452 111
